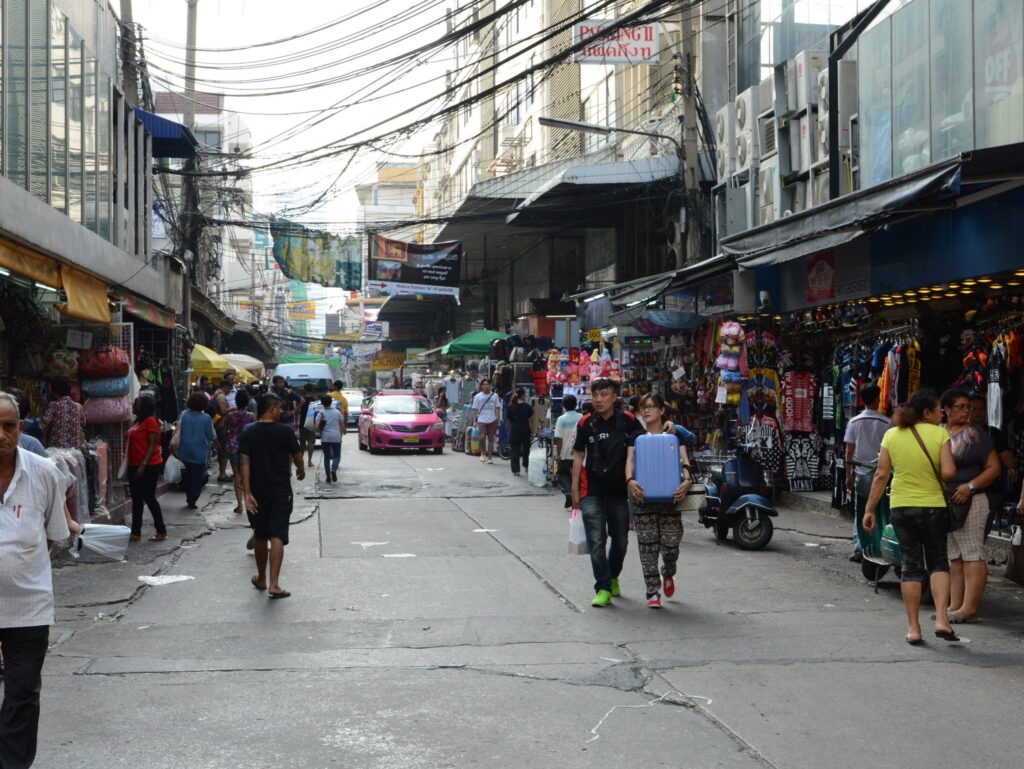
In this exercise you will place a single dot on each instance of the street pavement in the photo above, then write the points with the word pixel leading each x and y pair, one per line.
pixel 436 620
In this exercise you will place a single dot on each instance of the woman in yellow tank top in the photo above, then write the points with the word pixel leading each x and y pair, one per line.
pixel 914 449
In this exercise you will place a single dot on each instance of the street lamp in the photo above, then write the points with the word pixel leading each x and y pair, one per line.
pixel 594 128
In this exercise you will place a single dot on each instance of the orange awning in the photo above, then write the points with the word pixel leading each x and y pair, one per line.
pixel 87 296
pixel 28 264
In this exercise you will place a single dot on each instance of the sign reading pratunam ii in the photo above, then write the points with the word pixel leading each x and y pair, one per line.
pixel 625 45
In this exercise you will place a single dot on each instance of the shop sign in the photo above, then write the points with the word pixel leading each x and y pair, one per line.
pixel 387 360
pixel 821 277
pixel 594 335
pixel 365 353
pixel 301 310
pixel 636 44
pixel 638 341
pixel 373 330
pixel 399 268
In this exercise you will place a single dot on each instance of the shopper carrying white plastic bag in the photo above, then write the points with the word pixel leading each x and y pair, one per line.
pixel 109 542
pixel 577 533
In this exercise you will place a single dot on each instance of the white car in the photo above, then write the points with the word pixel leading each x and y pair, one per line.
pixel 355 399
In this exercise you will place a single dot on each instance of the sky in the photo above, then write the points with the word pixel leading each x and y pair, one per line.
pixel 270 85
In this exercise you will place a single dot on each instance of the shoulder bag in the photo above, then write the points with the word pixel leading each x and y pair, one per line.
pixel 957 511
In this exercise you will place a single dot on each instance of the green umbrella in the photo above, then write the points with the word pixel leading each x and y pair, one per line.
pixel 473 343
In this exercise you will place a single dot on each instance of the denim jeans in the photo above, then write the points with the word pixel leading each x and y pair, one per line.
pixel 606 518
pixel 332 455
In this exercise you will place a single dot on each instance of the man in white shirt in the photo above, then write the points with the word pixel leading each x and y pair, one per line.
pixel 487 418
pixel 863 442
pixel 565 437
pixel 31 520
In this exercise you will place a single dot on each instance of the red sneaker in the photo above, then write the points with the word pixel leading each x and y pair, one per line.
pixel 654 602
pixel 669 586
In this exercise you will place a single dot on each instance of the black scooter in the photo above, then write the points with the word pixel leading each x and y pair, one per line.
pixel 736 499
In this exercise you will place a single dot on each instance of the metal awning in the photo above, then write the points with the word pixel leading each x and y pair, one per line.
pixel 585 189
pixel 953 183
pixel 846 218
pixel 170 139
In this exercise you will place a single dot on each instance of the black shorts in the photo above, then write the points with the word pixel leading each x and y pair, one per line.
pixel 272 519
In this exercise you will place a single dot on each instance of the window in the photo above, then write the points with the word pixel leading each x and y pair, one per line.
pixel 76 101
pixel 952 107
pixel 208 139
pixel 39 100
pixel 911 108
pixel 875 107
pixel 58 111
pixel 16 92
pixel 998 75
pixel 89 90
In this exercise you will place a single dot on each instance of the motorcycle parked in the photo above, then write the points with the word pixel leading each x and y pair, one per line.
pixel 736 499
pixel 879 548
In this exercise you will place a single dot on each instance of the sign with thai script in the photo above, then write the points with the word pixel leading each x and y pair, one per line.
pixel 618 45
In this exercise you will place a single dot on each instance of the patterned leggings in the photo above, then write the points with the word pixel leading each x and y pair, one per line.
pixel 658 531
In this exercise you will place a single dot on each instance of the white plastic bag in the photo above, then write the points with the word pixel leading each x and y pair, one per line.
pixel 535 473
pixel 577 533
pixel 315 407
pixel 107 542
pixel 172 471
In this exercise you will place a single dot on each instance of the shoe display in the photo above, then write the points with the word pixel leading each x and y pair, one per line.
pixel 616 592
pixel 602 599
pixel 654 602
pixel 669 586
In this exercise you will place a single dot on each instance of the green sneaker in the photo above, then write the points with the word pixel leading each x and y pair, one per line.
pixel 616 592
pixel 602 599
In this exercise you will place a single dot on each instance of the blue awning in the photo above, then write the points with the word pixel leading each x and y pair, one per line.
pixel 170 139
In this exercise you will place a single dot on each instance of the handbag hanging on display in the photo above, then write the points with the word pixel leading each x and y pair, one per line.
pixel 957 510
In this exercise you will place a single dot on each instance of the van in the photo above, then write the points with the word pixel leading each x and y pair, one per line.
pixel 298 375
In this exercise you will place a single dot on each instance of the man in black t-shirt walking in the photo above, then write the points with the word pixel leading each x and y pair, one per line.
pixel 265 450
pixel 599 485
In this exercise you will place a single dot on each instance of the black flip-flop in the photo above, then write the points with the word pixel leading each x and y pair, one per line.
pixel 947 635
pixel 256 583
pixel 282 594
pixel 914 641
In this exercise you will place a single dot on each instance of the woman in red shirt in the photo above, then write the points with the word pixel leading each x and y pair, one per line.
pixel 144 460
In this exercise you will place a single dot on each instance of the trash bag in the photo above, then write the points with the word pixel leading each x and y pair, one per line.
pixel 172 470
pixel 107 542
pixel 577 533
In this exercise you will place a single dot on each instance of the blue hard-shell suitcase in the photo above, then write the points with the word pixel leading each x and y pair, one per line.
pixel 656 466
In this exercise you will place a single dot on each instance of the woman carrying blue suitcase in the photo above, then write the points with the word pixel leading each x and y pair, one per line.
pixel 659 525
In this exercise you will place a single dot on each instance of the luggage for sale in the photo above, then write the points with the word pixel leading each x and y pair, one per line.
pixel 473 441
pixel 103 363
pixel 656 466
pixel 107 388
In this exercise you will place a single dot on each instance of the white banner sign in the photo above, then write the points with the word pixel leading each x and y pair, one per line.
pixel 625 45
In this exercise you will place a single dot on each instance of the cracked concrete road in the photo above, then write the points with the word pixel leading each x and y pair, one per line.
pixel 436 621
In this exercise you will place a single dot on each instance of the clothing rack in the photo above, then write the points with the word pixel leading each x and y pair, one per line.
pixel 1010 319
pixel 911 328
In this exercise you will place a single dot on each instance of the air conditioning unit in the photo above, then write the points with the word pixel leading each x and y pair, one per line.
pixel 808 142
pixel 796 197
pixel 747 108
pixel 806 66
pixel 747 152
pixel 769 192
pixel 767 136
pixel 847 106
pixel 817 190
pixel 725 141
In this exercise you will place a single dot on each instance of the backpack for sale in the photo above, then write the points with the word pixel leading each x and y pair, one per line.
pixel 499 349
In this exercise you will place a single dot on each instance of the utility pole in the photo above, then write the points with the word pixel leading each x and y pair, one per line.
pixel 190 191
pixel 129 60
pixel 693 205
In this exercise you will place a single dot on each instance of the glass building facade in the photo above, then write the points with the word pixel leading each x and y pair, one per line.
pixel 58 73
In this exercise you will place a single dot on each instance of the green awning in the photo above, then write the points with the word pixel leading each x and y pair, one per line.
pixel 473 343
